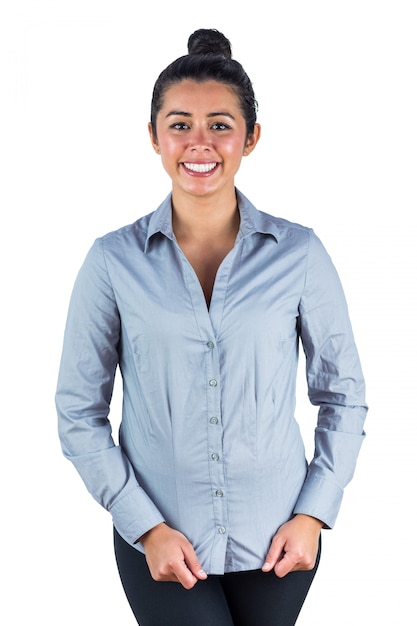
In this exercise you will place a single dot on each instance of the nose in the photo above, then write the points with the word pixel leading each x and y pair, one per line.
pixel 200 139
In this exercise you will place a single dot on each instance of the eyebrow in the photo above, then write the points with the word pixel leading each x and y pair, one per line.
pixel 214 114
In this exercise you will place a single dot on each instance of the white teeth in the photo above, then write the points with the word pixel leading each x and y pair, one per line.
pixel 200 167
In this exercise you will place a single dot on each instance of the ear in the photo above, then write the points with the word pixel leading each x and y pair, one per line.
pixel 252 140
pixel 154 140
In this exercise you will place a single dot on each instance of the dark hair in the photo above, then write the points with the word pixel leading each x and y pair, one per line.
pixel 209 58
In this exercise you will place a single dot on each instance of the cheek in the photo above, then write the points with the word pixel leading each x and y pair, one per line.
pixel 235 146
pixel 171 147
pixel 169 153
pixel 234 151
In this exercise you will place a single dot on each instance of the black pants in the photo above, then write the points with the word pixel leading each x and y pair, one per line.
pixel 252 598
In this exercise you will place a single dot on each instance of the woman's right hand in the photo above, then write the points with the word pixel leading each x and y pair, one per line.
pixel 171 557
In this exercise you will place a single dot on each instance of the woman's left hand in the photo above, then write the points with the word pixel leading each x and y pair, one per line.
pixel 295 546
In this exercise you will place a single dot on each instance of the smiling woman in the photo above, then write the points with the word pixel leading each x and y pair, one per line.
pixel 201 135
pixel 202 304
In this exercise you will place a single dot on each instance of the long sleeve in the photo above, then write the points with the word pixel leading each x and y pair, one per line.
pixel 335 385
pixel 85 385
pixel 208 440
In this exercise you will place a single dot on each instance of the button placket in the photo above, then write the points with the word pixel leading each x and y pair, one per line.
pixel 215 438
pixel 209 323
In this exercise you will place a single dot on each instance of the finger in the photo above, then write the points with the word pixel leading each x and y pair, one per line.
pixel 183 574
pixel 285 565
pixel 193 563
pixel 275 553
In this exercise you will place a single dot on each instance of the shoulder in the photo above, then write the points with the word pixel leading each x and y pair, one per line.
pixel 129 234
pixel 139 232
pixel 286 233
pixel 283 225
pixel 263 221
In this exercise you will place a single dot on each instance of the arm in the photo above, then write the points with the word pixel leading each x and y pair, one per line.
pixel 84 391
pixel 336 386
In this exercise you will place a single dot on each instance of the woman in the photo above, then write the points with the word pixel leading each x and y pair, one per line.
pixel 202 304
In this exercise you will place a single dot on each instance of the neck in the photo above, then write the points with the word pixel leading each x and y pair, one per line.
pixel 205 217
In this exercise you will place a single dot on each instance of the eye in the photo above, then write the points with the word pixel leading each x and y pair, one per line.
pixel 220 126
pixel 180 126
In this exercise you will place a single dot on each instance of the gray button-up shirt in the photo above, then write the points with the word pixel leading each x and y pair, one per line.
pixel 208 440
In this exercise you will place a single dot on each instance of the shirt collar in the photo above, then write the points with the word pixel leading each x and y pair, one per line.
pixel 251 220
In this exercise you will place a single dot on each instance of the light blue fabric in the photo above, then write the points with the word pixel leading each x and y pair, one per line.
pixel 208 439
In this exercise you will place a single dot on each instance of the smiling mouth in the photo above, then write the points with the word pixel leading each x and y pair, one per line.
pixel 200 168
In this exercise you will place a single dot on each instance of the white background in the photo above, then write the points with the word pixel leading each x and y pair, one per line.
pixel 336 84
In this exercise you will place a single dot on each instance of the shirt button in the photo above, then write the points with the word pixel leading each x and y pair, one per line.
pixel 219 493
pixel 215 456
pixel 214 420
pixel 221 530
pixel 213 382
pixel 210 345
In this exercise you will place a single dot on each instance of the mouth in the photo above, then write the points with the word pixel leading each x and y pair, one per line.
pixel 201 169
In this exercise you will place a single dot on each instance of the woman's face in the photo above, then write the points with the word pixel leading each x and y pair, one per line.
pixel 201 137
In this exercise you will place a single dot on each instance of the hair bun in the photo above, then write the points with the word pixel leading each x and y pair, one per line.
pixel 209 41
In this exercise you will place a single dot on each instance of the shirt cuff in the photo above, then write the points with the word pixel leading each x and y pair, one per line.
pixel 321 498
pixel 135 514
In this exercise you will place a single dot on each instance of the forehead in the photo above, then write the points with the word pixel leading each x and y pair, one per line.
pixel 208 95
